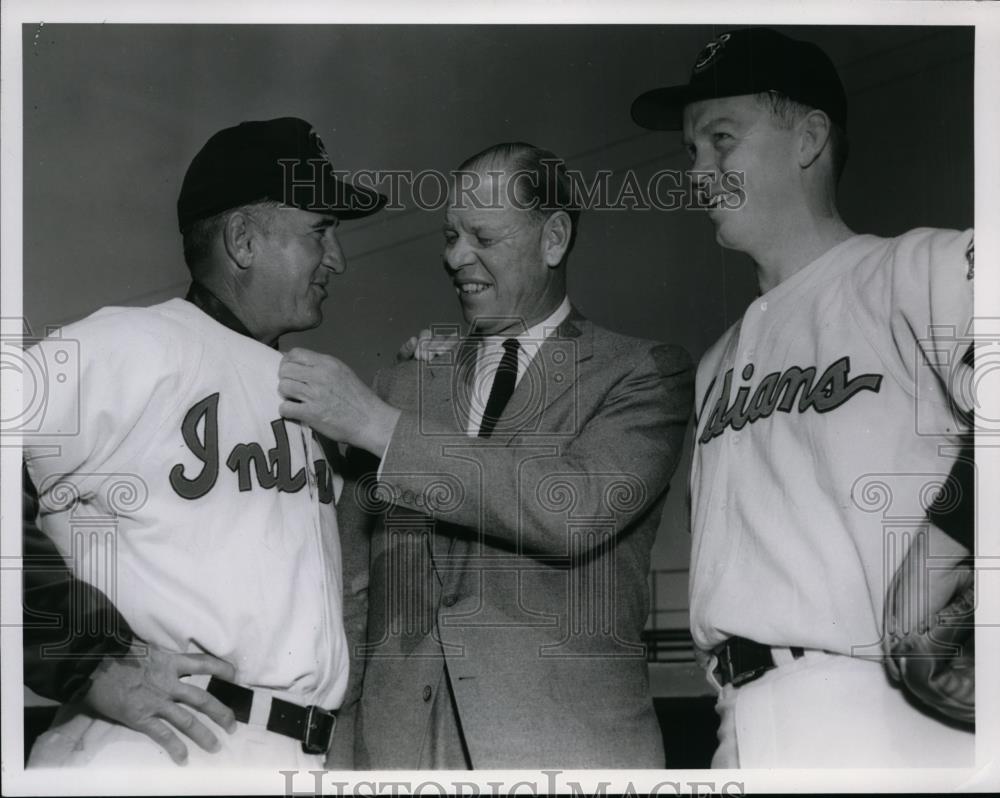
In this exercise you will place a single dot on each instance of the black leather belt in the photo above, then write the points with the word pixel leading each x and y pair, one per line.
pixel 741 660
pixel 312 725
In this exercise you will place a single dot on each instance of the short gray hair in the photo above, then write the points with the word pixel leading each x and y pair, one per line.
pixel 199 237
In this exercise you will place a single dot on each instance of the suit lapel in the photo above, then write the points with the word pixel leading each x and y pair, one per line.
pixel 462 380
pixel 551 372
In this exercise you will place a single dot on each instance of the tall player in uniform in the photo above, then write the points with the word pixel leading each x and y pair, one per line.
pixel 815 388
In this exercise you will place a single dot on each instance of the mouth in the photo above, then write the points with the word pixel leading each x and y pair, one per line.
pixel 471 288
pixel 712 202
pixel 321 287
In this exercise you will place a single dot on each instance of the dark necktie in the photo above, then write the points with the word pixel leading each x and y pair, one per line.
pixel 503 388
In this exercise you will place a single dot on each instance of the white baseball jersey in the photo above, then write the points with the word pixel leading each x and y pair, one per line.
pixel 820 416
pixel 179 491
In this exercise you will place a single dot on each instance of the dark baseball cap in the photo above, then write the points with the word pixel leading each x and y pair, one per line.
pixel 749 61
pixel 276 159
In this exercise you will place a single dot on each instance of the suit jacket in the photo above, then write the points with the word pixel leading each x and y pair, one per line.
pixel 521 561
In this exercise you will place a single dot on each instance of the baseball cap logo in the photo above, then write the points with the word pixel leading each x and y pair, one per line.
pixel 710 51
pixel 317 142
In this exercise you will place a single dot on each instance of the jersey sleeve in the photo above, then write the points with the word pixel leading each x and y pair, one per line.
pixel 932 306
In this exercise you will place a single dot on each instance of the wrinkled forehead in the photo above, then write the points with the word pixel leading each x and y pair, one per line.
pixel 702 113
pixel 481 195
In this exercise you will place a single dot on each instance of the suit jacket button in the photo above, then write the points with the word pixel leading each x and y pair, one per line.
pixel 427 692
pixel 408 496
pixel 450 600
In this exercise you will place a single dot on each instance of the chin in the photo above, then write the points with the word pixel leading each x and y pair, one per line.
pixel 310 322
pixel 727 239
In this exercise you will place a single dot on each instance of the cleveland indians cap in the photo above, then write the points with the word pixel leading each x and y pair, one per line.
pixel 749 61
pixel 277 159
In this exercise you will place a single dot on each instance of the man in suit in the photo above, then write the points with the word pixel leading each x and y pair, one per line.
pixel 511 517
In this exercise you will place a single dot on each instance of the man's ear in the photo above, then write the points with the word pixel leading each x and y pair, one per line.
pixel 556 233
pixel 814 134
pixel 238 237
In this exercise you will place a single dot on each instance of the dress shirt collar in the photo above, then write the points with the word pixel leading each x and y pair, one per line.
pixel 537 332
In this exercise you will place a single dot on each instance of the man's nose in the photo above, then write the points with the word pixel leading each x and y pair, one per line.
pixel 333 255
pixel 457 256
pixel 702 172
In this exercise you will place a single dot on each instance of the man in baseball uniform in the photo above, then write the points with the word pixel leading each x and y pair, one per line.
pixel 216 535
pixel 805 407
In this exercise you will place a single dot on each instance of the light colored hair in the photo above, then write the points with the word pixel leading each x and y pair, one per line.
pixel 786 112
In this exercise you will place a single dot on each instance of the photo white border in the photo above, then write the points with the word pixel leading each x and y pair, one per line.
pixel 985 17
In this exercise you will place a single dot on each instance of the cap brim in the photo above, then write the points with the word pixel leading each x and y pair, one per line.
pixel 663 108
pixel 348 201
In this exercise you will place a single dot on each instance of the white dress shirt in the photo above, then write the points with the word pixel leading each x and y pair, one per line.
pixel 490 353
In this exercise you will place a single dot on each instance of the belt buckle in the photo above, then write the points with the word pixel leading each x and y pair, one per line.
pixel 320 724
pixel 724 664
pixel 748 676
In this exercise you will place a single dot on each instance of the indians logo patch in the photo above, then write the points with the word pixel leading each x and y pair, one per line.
pixel 795 389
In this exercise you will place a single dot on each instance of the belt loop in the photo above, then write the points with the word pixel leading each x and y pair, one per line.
pixel 261 709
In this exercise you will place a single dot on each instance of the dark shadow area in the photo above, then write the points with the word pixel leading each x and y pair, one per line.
pixel 689 726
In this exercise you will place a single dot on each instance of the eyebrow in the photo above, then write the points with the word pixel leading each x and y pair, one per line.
pixel 326 221
pixel 718 120
pixel 706 126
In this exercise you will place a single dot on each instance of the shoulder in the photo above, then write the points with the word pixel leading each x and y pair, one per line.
pixel 936 250
pixel 620 351
pixel 399 380
pixel 917 250
pixel 929 240
pixel 130 351
pixel 130 328
pixel 117 335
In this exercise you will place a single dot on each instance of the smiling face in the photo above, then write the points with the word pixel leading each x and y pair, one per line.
pixel 500 260
pixel 297 253
pixel 736 145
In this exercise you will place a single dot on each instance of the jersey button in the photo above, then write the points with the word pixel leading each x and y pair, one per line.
pixel 450 600
pixel 408 496
pixel 427 692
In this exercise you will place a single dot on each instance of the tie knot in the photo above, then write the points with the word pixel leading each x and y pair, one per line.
pixel 511 345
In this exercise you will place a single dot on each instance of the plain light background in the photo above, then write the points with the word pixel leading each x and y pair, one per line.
pixel 114 113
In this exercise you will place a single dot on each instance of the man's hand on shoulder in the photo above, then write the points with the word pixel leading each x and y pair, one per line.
pixel 324 393
pixel 143 690
pixel 426 346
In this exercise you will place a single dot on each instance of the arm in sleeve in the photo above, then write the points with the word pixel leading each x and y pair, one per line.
pixel 623 455
pixel 62 615
pixel 932 302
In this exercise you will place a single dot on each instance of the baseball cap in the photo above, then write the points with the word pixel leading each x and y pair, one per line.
pixel 278 159
pixel 748 61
